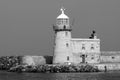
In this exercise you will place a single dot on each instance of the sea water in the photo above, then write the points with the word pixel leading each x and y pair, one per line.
pixel 59 76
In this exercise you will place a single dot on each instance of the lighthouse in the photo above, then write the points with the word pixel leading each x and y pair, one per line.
pixel 62 48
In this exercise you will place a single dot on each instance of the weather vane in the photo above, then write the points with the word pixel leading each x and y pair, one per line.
pixel 62 9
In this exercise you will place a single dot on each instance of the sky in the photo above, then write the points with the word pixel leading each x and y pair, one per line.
pixel 26 25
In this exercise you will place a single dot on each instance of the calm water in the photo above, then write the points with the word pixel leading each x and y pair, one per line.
pixel 60 76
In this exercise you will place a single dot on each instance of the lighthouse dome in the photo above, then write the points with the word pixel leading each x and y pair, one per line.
pixel 62 15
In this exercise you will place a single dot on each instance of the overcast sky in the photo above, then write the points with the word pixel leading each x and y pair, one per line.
pixel 26 25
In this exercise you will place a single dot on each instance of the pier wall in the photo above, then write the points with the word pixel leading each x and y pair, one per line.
pixel 110 57
pixel 109 66
pixel 36 60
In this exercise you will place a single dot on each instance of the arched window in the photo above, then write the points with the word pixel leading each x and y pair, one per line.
pixel 59 21
pixel 67 58
pixel 92 46
pixel 83 46
pixel 64 27
pixel 66 33
pixel 113 57
pixel 67 44
pixel 62 21
pixel 92 57
pixel 66 21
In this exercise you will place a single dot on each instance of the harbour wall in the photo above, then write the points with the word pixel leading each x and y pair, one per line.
pixel 110 57
pixel 107 62
pixel 36 60
pixel 109 66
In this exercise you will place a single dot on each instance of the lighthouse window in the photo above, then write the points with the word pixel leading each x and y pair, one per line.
pixel 113 57
pixel 83 46
pixel 92 47
pixel 59 22
pixel 64 27
pixel 66 21
pixel 92 58
pixel 67 58
pixel 67 44
pixel 66 33
pixel 63 22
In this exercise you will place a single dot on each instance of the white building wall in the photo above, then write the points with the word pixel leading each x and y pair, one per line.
pixel 62 47
pixel 91 55
pixel 77 45
pixel 74 50
pixel 33 60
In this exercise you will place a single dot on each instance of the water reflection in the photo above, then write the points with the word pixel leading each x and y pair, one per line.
pixel 59 76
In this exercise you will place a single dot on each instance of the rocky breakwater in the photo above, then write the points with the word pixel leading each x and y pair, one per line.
pixel 20 64
pixel 6 62
pixel 54 68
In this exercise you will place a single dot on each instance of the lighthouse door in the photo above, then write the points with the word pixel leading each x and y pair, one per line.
pixel 83 58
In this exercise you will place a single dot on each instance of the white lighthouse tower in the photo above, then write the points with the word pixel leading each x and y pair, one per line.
pixel 62 48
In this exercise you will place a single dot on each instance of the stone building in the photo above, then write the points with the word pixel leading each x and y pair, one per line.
pixel 78 50
pixel 73 50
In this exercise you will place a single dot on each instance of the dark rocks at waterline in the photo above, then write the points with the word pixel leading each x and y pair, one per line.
pixel 54 68
pixel 6 62
pixel 14 64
